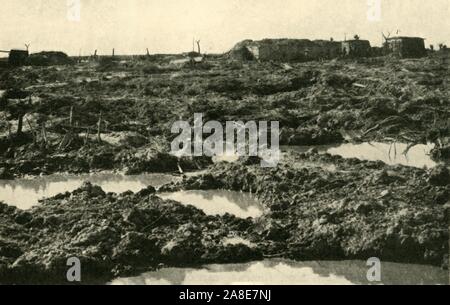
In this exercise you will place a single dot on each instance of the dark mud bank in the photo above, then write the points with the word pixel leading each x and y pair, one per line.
pixel 359 210
pixel 35 161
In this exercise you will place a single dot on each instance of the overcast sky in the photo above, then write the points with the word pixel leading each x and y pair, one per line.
pixel 168 26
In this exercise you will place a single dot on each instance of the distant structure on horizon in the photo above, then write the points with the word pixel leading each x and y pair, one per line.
pixel 301 50
pixel 356 48
pixel 16 57
pixel 286 50
pixel 405 47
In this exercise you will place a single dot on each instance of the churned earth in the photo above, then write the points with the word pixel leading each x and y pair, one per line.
pixel 359 209
pixel 116 114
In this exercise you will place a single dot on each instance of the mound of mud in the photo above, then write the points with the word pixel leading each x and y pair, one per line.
pixel 49 58
pixel 112 235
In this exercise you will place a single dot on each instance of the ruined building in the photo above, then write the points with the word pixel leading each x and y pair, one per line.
pixel 290 50
pixel 18 57
pixel 356 48
pixel 406 46
pixel 301 50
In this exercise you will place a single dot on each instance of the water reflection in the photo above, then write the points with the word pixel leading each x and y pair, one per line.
pixel 283 272
pixel 25 193
pixel 219 202
pixel 236 240
pixel 416 156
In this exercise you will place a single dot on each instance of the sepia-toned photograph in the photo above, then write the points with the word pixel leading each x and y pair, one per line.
pixel 224 143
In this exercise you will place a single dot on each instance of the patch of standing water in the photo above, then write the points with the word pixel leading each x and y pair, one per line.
pixel 395 154
pixel 25 193
pixel 219 202
pixel 285 272
pixel 238 241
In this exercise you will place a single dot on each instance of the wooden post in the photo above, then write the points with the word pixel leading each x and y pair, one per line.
pixel 86 139
pixel 198 46
pixel 20 124
pixel 29 125
pixel 71 117
pixel 9 130
pixel 148 53
pixel 113 52
pixel 44 133
pixel 99 124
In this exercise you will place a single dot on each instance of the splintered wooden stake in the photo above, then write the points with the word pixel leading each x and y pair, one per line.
pixel 99 124
pixel 71 116
pixel 180 169
pixel 86 139
pixel 44 133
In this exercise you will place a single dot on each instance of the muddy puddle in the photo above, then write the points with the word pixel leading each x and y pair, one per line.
pixel 284 272
pixel 219 202
pixel 25 193
pixel 395 154
pixel 391 154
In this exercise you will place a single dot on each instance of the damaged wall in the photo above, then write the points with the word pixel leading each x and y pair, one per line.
pixel 290 50
pixel 18 57
pixel 406 46
pixel 356 48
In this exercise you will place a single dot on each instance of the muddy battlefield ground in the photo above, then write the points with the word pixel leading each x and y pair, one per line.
pixel 116 114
